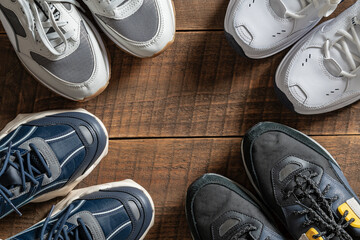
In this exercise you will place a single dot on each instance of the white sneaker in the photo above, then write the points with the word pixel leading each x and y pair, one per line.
pixel 322 72
pixel 262 28
pixel 143 28
pixel 57 45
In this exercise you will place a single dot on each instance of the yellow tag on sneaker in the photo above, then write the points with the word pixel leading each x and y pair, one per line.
pixel 309 235
pixel 353 208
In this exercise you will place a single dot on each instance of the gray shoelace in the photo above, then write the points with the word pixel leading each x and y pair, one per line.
pixel 243 233
pixel 318 207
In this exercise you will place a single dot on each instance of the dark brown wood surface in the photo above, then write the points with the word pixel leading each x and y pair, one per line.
pixel 179 115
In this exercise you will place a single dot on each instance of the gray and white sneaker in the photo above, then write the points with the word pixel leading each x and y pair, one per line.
pixel 58 46
pixel 143 28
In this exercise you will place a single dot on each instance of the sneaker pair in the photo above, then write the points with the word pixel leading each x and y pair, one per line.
pixel 320 73
pixel 297 180
pixel 44 156
pixel 61 48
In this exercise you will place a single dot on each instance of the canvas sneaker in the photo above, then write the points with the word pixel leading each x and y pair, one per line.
pixel 219 209
pixel 45 155
pixel 321 73
pixel 301 183
pixel 58 46
pixel 143 28
pixel 117 211
pixel 262 28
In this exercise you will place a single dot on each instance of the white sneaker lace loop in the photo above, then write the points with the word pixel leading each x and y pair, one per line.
pixel 39 26
pixel 110 5
pixel 341 45
pixel 325 11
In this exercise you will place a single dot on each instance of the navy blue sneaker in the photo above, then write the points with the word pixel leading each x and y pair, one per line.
pixel 114 211
pixel 219 209
pixel 45 155
pixel 301 183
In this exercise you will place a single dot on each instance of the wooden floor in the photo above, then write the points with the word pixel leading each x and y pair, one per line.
pixel 178 116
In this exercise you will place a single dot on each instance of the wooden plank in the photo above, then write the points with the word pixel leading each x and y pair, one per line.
pixel 167 167
pixel 199 87
pixel 209 14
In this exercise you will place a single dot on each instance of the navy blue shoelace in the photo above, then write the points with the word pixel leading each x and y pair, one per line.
pixel 60 231
pixel 23 164
pixel 318 208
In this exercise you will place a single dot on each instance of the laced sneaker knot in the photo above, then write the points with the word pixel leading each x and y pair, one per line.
pixel 317 207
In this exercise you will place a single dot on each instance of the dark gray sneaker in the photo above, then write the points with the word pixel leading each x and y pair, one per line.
pixel 219 209
pixel 301 183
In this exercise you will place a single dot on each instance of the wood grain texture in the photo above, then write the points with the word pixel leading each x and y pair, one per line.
pixel 208 14
pixel 186 110
pixel 167 167
pixel 199 87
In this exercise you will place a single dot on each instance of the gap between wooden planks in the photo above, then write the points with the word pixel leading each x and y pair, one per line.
pixel 199 87
pixel 167 167
pixel 194 15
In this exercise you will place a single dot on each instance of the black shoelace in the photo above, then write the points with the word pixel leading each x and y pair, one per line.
pixel 318 207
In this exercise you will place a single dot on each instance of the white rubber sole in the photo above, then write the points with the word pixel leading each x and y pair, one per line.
pixel 229 29
pixel 25 118
pixel 76 194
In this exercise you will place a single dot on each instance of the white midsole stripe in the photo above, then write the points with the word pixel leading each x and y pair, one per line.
pixel 26 136
pixel 113 210
pixel 78 206
pixel 11 138
pixel 57 138
pixel 32 130
pixel 117 230
pixel 67 159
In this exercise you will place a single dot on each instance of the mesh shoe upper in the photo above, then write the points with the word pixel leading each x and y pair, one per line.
pixel 57 45
pixel 140 27
pixel 219 209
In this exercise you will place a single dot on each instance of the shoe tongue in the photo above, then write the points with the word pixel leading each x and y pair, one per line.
pixel 11 177
pixel 82 233
pixel 44 14
pixel 280 7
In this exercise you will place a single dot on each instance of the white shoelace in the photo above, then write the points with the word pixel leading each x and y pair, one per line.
pixel 341 45
pixel 110 5
pixel 38 26
pixel 329 7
